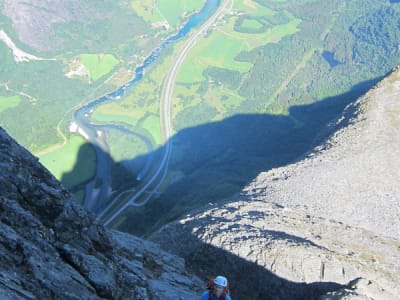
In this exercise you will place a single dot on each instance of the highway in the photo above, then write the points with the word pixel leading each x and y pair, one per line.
pixel 165 116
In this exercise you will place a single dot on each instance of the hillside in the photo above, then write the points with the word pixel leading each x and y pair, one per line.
pixel 332 216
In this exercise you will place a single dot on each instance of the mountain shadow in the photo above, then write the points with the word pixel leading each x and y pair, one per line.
pixel 247 280
pixel 95 192
pixel 206 260
pixel 209 163
pixel 214 161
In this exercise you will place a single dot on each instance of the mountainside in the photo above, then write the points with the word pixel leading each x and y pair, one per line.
pixel 50 248
pixel 333 216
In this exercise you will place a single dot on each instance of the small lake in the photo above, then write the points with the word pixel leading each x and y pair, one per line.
pixel 330 58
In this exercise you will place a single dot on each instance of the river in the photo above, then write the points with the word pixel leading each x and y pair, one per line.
pixel 99 188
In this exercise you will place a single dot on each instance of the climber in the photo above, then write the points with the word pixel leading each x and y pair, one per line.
pixel 217 289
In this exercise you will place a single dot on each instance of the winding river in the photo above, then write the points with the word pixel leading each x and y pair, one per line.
pixel 99 188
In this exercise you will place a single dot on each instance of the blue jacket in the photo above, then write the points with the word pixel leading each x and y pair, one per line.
pixel 205 296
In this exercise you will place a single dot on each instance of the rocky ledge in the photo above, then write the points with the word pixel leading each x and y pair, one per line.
pixel 330 220
pixel 51 248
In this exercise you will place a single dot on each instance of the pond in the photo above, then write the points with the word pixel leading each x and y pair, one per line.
pixel 330 58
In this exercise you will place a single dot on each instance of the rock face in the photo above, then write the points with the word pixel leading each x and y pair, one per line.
pixel 50 248
pixel 354 177
pixel 33 21
pixel 332 217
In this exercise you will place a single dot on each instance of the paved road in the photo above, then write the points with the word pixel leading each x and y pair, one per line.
pixel 165 115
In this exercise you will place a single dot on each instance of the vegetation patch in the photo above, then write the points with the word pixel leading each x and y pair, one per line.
pixel 124 146
pixel 175 10
pixel 77 157
pixel 152 124
pixel 249 7
pixel 98 64
pixel 251 25
pixel 9 102
pixel 221 48
pixel 147 10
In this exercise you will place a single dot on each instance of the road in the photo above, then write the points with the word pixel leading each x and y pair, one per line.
pixel 165 115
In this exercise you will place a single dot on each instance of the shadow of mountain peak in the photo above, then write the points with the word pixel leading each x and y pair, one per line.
pixel 214 161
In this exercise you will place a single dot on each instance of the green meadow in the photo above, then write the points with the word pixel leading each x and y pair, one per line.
pixel 252 8
pixel 152 125
pixel 65 160
pixel 98 64
pixel 252 24
pixel 173 10
pixel 147 10
pixel 125 146
pixel 9 102
pixel 222 46
pixel 114 114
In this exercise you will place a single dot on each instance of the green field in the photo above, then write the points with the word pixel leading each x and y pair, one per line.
pixel 152 125
pixel 227 44
pixel 147 10
pixel 253 8
pixel 173 10
pixel 64 161
pixel 124 146
pixel 9 102
pixel 104 116
pixel 252 24
pixel 98 64
pixel 170 11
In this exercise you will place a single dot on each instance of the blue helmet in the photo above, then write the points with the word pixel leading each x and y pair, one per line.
pixel 221 281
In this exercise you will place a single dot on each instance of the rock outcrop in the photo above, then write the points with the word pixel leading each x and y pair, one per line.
pixel 51 248
pixel 333 216
pixel 33 21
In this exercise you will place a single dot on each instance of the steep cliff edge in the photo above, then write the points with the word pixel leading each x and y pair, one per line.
pixel 333 216
pixel 50 248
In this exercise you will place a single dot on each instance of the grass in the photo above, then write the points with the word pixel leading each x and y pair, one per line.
pixel 9 102
pixel 76 156
pixel 251 24
pixel 147 10
pixel 218 50
pixel 173 10
pixel 222 46
pixel 105 115
pixel 253 8
pixel 228 100
pixel 98 64
pixel 124 146
pixel 152 125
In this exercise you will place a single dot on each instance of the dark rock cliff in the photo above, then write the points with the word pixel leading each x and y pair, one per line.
pixel 51 248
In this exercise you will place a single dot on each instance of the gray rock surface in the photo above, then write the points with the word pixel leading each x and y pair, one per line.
pixel 354 177
pixel 51 248
pixel 331 217
pixel 34 21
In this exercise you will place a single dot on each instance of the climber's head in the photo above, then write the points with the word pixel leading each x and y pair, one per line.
pixel 220 285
